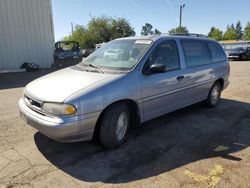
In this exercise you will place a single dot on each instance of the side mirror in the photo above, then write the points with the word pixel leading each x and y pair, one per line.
pixel 157 68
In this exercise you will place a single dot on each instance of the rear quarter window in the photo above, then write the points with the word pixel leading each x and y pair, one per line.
pixel 216 51
pixel 196 53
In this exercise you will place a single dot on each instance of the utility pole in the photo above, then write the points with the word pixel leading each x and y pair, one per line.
pixel 181 7
pixel 72 28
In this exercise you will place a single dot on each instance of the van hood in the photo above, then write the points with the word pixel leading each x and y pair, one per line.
pixel 58 86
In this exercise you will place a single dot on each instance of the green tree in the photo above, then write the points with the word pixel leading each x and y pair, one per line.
pixel 215 34
pixel 121 28
pixel 157 32
pixel 99 30
pixel 232 26
pixel 238 29
pixel 178 30
pixel 247 32
pixel 147 29
pixel 230 33
pixel 80 35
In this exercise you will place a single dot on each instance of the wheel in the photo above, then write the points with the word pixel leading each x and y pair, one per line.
pixel 114 125
pixel 243 57
pixel 214 94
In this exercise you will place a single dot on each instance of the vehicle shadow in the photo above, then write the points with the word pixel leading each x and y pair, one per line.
pixel 158 146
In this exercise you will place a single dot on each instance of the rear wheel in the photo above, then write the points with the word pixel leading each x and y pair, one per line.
pixel 114 125
pixel 214 94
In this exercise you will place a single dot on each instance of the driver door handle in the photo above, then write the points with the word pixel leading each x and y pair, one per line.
pixel 179 78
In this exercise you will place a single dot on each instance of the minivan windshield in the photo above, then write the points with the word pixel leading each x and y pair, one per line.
pixel 118 54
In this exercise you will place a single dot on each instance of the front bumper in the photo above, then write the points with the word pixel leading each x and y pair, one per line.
pixel 64 129
pixel 233 56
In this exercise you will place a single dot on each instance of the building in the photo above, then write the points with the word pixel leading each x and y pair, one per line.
pixel 227 45
pixel 26 33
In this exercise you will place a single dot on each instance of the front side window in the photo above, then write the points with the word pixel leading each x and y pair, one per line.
pixel 217 52
pixel 165 53
pixel 118 54
pixel 196 53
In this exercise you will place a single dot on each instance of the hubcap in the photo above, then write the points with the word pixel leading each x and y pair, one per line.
pixel 215 95
pixel 122 125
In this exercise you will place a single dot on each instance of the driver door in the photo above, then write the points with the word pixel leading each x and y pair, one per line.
pixel 161 92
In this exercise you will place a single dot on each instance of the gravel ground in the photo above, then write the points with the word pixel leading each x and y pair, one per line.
pixel 192 147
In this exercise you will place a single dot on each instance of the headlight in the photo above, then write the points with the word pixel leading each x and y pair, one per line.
pixel 59 109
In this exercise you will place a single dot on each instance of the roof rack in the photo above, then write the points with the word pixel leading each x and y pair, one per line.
pixel 189 34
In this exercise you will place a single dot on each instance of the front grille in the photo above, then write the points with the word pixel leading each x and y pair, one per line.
pixel 33 104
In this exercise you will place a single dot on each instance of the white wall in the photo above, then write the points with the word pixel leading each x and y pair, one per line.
pixel 231 45
pixel 26 33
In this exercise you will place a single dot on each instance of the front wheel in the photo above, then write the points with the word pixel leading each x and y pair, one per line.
pixel 244 57
pixel 214 94
pixel 114 125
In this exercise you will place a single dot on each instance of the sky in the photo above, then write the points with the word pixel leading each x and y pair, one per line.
pixel 198 15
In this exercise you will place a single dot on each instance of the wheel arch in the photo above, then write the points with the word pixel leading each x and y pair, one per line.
pixel 133 109
pixel 221 82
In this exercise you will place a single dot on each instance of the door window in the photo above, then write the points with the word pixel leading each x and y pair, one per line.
pixel 165 53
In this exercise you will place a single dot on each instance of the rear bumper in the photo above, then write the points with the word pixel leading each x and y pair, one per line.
pixel 233 56
pixel 64 129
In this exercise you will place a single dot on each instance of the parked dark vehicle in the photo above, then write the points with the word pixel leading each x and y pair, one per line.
pixel 87 52
pixel 239 53
pixel 67 49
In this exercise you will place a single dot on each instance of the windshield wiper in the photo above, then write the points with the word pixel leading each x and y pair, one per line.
pixel 82 68
pixel 94 66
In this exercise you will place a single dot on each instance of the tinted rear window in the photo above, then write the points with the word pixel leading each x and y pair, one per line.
pixel 196 53
pixel 217 52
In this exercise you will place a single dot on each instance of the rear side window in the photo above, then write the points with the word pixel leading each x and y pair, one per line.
pixel 217 52
pixel 196 53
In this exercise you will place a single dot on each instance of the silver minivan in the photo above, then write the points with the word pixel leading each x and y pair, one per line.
pixel 127 81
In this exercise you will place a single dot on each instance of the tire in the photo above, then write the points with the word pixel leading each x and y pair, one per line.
pixel 114 125
pixel 214 94
pixel 243 57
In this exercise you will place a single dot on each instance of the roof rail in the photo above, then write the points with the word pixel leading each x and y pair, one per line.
pixel 189 34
